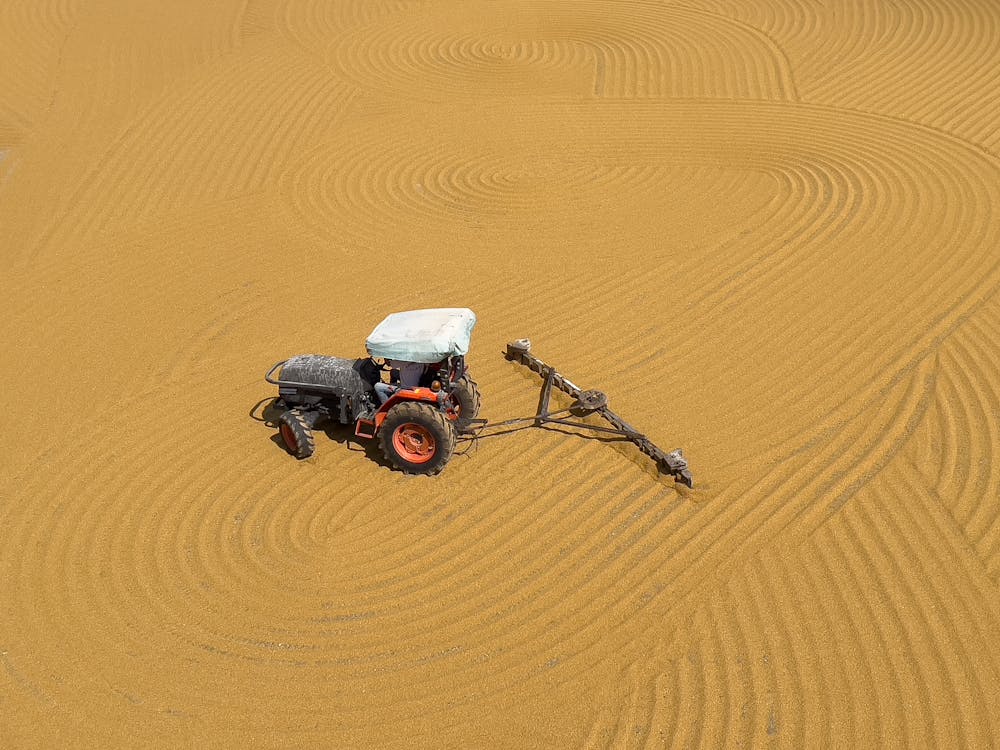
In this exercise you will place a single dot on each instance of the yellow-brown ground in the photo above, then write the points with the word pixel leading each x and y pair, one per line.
pixel 768 230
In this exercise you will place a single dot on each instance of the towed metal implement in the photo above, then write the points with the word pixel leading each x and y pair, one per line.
pixel 590 402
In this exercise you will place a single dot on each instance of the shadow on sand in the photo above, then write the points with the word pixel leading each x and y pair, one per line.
pixel 268 412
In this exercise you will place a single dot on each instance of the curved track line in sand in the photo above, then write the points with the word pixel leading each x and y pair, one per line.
pixel 966 432
pixel 34 34
pixel 179 559
pixel 694 552
pixel 166 489
pixel 130 64
pixel 868 591
pixel 313 23
pixel 948 663
pixel 594 48
pixel 915 54
pixel 822 237
pixel 290 104
pixel 185 599
pixel 906 416
pixel 950 540
pixel 920 61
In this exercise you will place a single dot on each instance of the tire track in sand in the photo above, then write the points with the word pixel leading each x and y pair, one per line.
pixel 677 594
pixel 292 102
pixel 811 245
pixel 171 557
pixel 921 61
pixel 846 462
pixel 179 559
pixel 875 606
pixel 312 24
pixel 945 58
pixel 959 443
pixel 128 61
pixel 927 588
pixel 644 50
pixel 903 417
pixel 33 37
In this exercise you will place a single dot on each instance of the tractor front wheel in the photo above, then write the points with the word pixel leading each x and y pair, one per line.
pixel 417 438
pixel 296 433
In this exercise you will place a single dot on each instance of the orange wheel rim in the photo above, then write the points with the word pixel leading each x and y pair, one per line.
pixel 414 443
pixel 288 436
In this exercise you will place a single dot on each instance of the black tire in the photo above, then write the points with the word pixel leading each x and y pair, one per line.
pixel 296 433
pixel 467 401
pixel 417 438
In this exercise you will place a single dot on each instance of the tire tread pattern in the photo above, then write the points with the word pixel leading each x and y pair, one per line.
pixel 428 416
pixel 305 442
pixel 466 393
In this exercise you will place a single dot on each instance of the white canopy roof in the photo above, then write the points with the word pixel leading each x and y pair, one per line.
pixel 423 335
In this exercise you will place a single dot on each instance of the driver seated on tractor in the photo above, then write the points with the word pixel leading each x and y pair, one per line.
pixel 409 377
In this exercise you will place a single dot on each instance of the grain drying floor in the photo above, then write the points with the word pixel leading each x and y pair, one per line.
pixel 768 230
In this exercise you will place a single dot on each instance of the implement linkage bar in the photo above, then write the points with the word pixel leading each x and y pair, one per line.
pixel 595 402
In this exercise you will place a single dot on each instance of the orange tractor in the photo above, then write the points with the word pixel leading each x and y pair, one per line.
pixel 416 411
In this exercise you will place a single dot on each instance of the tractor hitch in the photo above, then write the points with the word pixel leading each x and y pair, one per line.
pixel 592 402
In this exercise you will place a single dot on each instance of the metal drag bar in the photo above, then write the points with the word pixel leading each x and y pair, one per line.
pixel 672 463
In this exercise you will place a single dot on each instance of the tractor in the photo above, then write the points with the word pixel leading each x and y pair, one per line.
pixel 413 393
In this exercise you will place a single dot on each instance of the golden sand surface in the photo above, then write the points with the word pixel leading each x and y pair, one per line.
pixel 770 231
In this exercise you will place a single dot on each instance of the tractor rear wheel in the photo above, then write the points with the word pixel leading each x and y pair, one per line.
pixel 296 433
pixel 466 401
pixel 417 438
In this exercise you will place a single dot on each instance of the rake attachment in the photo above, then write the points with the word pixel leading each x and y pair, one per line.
pixel 592 402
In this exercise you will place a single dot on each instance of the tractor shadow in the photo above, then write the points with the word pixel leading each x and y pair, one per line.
pixel 468 445
pixel 267 412
pixel 343 434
